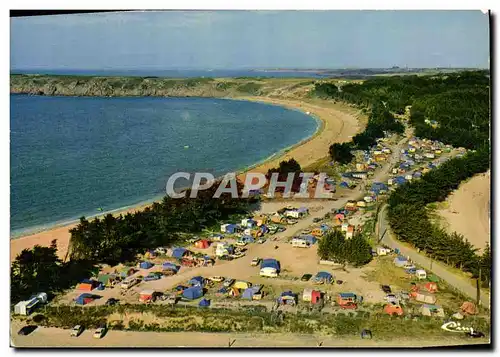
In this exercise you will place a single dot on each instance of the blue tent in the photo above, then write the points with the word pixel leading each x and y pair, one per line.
pixel 264 229
pixel 170 266
pixel 222 290
pixel 196 281
pixel 344 184
pixel 204 303
pixel 231 228
pixel 270 263
pixel 178 252
pixel 192 293
pixel 251 223
pixel 323 276
pixel 248 294
pixel 399 180
pixel 324 227
pixel 80 300
pixel 145 265
pixel 417 174
pixel 400 261
pixel 309 238
pixel 287 297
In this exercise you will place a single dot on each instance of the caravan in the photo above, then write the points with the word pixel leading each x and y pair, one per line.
pixel 300 243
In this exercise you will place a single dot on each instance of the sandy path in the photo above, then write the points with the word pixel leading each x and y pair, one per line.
pixel 339 124
pixel 468 210
pixel 54 337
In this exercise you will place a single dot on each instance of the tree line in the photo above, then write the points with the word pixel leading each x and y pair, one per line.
pixel 355 251
pixel 380 121
pixel 115 239
pixel 460 105
pixel 409 219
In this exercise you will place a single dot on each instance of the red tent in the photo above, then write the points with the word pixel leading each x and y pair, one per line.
pixel 431 287
pixel 202 244
pixel 315 296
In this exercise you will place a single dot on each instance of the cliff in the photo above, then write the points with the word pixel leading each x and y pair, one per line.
pixel 160 87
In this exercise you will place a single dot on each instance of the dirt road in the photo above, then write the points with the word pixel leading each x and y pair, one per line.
pixel 459 282
pixel 55 337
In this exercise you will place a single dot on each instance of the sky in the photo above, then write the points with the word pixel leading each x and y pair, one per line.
pixel 251 39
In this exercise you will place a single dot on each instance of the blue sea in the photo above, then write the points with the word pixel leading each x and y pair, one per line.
pixel 73 155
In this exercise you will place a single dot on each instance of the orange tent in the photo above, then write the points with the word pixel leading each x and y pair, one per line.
pixel 202 244
pixel 393 309
pixel 431 287
pixel 469 308
pixel 85 286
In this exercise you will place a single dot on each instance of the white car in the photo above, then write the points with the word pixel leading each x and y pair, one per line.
pixel 161 250
pixel 216 279
pixel 100 332
pixel 255 262
pixel 76 331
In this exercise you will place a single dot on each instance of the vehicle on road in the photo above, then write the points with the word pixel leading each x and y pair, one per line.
pixel 100 332
pixel 241 243
pixel 76 331
pixel 26 330
pixel 316 220
pixel 216 278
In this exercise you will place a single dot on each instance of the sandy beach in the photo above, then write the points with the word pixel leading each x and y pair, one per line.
pixel 467 210
pixel 339 124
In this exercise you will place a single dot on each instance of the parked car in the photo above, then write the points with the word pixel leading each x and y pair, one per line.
pixel 76 331
pixel 228 282
pixel 225 257
pixel 152 276
pixel 386 289
pixel 306 277
pixel 391 298
pixel 475 334
pixel 261 240
pixel 111 302
pixel 255 262
pixel 161 250
pixel 26 330
pixel 216 278
pixel 100 332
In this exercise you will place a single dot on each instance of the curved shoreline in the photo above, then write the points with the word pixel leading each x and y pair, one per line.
pixel 332 129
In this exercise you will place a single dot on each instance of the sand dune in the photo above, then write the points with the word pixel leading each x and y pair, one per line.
pixel 468 210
